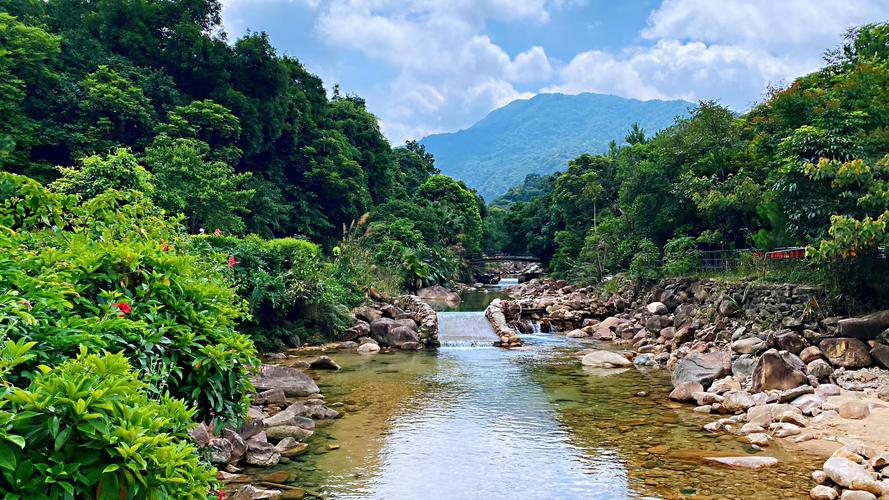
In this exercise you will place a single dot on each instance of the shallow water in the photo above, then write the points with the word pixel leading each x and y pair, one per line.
pixel 530 423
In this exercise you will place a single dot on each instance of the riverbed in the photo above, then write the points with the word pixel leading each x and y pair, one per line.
pixel 475 421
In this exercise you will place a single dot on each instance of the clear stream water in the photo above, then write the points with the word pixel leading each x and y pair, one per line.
pixel 474 421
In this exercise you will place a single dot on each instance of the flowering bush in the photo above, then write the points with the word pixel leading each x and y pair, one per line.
pixel 102 275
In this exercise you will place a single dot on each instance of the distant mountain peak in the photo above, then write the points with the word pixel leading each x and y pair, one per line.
pixel 540 134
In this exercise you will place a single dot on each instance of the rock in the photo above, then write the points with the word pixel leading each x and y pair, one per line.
pixel 778 370
pixel 810 354
pixel 657 308
pixel 367 314
pixel 290 380
pixel 791 342
pixel 410 346
pixel 576 334
pixel 880 460
pixel 744 366
pixel 819 476
pixel 825 391
pixel 724 385
pixel 644 360
pixel 825 416
pixel 408 322
pixel 883 392
pixel 822 492
pixel 819 369
pixel 605 359
pixel 270 397
pixel 200 434
pixel 438 293
pixel 865 327
pixel 286 444
pixel 751 428
pixel 857 495
pixel 727 307
pixel 757 438
pixel 319 412
pixel 846 352
pixel 262 454
pixel 220 451
pixel 880 354
pixel 783 429
pixel 292 415
pixel 854 410
pixel 398 336
pixel 760 415
pixel 390 311
pixel 286 431
pixel 736 401
pixel 685 391
pixel 250 492
pixel 239 445
pixel 703 368
pixel 848 474
pixel 323 363
pixel 749 345
pixel 754 463
pixel 369 348
pixel 791 394
pixel 807 403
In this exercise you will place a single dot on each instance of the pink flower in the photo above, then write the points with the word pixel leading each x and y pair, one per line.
pixel 218 232
pixel 231 261
pixel 124 307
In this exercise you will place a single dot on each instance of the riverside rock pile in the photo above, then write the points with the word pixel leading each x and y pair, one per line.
pixel 769 359
pixel 281 419
pixel 407 323
pixel 854 472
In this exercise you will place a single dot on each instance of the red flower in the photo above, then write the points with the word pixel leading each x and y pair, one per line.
pixel 231 261
pixel 165 248
pixel 124 307
pixel 218 232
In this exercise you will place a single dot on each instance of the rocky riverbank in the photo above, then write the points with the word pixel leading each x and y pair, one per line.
pixel 771 361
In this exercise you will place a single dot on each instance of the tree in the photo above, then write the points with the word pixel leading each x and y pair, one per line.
pixel 416 165
pixel 464 220
pixel 188 181
pixel 27 57
pixel 210 123
pixel 119 170
pixel 117 111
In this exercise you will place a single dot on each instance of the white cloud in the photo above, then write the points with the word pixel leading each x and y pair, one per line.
pixel 762 23
pixel 724 50
pixel 450 72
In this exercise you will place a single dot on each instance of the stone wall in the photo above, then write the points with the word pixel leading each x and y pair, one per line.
pixel 424 315
pixel 495 315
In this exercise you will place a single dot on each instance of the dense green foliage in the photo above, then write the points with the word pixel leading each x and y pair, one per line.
pixel 538 135
pixel 808 167
pixel 88 429
pixel 236 136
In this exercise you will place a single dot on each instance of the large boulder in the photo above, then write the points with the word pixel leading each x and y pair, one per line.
pixel 605 359
pixel 778 370
pixel 290 380
pixel 702 368
pixel 865 327
pixel 438 293
pixel 846 352
pixel 791 342
pixel 880 354
pixel 686 391
pixel 749 345
pixel 389 333
pixel 657 308
pixel 324 363
pixel 848 474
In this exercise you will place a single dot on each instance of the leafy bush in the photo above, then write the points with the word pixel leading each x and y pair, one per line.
pixel 106 275
pixel 87 429
pixel 644 263
pixel 681 256
pixel 287 283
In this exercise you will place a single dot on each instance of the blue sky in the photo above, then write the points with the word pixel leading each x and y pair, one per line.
pixel 427 66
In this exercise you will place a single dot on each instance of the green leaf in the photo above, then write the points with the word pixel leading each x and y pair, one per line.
pixel 7 457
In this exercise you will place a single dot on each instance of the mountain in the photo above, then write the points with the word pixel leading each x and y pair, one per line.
pixel 539 135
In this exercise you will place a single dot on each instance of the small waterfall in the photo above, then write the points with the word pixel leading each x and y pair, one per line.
pixel 465 329
pixel 507 282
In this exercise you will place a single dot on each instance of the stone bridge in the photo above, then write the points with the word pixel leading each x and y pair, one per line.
pixel 491 268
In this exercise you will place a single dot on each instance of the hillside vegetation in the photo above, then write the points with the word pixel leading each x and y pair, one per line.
pixel 808 167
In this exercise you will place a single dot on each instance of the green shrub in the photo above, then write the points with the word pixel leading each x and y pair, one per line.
pixel 105 275
pixel 87 429
pixel 644 263
pixel 681 256
pixel 289 287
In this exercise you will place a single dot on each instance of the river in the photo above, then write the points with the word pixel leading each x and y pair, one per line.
pixel 475 421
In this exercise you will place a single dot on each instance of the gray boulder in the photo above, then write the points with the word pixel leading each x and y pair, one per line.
pixel 702 368
pixel 846 352
pixel 778 370
pixel 290 380
pixel 865 327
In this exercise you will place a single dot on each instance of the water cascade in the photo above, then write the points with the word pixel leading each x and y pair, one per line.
pixel 465 329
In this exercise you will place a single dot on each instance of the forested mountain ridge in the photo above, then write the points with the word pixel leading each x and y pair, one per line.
pixel 539 136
